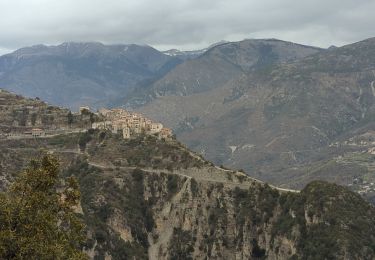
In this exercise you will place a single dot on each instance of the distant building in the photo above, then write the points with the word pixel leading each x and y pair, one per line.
pixel 104 111
pixel 84 108
pixel 166 133
pixel 156 128
pixel 37 132
pixel 126 133
pixel 98 125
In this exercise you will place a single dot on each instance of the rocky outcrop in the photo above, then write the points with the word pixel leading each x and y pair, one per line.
pixel 186 218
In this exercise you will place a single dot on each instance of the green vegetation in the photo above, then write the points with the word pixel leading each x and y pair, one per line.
pixel 172 183
pixel 181 246
pixel 37 220
pixel 70 118
pixel 257 252
pixel 33 118
pixel 84 139
pixel 64 141
pixel 256 204
pixel 142 151
pixel 103 199
pixel 194 188
pixel 340 219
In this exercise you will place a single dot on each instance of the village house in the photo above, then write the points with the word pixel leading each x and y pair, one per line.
pixel 371 150
pixel 166 132
pixel 156 128
pixel 13 134
pixel 126 133
pixel 34 132
pixel 37 132
pixel 98 125
pixel 83 108
pixel 104 111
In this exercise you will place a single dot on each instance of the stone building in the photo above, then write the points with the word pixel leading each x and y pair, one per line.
pixel 126 133
pixel 83 108
pixel 37 132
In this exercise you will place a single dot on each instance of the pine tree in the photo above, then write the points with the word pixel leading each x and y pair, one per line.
pixel 70 118
pixel 37 219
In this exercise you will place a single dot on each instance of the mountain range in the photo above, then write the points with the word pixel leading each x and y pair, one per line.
pixel 285 113
pixel 74 74
pixel 280 111
pixel 150 198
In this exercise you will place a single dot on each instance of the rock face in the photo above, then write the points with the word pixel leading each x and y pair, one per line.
pixel 73 74
pixel 148 198
pixel 274 118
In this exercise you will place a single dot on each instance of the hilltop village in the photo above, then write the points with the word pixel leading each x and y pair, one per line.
pixel 118 121
pixel 30 118
pixel 129 124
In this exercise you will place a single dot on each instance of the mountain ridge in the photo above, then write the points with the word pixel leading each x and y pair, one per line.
pixel 150 198
pixel 81 72
pixel 276 120
pixel 217 66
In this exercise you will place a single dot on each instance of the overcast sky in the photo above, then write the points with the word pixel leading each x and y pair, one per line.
pixel 184 24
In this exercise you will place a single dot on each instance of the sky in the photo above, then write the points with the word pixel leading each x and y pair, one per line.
pixel 183 24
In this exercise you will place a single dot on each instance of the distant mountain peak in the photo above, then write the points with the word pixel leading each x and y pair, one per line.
pixel 186 55
pixel 88 72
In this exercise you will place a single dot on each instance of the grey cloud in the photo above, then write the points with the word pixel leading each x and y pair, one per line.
pixel 183 23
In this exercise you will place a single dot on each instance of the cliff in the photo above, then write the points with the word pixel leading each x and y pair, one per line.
pixel 148 198
pixel 151 198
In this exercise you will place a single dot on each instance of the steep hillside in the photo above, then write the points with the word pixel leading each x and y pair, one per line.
pixel 71 74
pixel 218 66
pixel 278 120
pixel 151 199
pixel 19 114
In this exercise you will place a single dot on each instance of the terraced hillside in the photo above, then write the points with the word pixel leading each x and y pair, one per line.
pixel 19 114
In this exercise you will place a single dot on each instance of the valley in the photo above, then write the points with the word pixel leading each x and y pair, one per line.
pixel 281 112
pixel 141 194
pixel 275 120
pixel 187 130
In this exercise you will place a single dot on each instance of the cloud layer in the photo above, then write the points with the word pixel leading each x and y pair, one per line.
pixel 185 24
